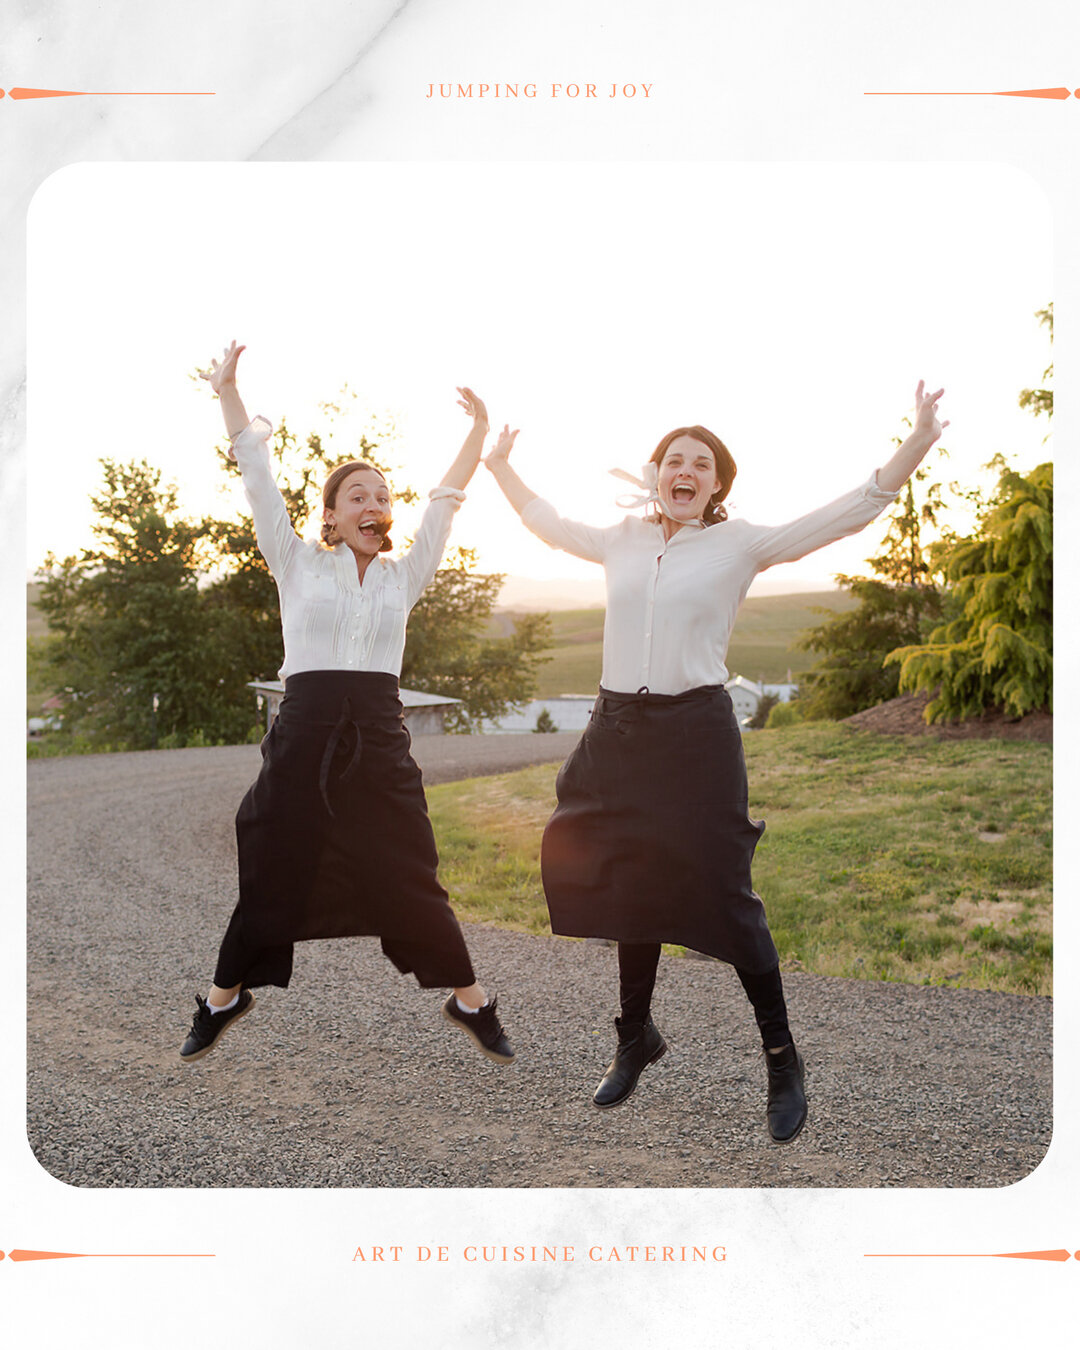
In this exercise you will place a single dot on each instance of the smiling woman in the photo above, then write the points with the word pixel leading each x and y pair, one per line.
pixel 333 837
pixel 695 472
pixel 356 508
pixel 651 841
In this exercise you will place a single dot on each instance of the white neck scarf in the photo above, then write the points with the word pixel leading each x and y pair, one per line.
pixel 650 492
pixel 648 480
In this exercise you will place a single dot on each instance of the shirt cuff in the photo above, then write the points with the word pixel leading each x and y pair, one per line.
pixel 439 492
pixel 875 493
pixel 537 506
pixel 256 432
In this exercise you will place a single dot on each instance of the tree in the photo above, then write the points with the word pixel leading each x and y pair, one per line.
pixel 446 651
pixel 243 588
pixel 896 606
pixel 140 655
pixel 998 649
pixel 158 629
pixel 995 649
pixel 766 704
pixel 1041 401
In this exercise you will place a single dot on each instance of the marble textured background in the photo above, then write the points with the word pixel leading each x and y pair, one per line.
pixel 344 81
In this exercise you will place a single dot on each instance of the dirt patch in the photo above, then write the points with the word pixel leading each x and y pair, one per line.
pixel 903 716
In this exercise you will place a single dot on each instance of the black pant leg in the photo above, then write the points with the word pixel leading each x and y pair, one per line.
pixel 766 993
pixel 637 976
pixel 240 963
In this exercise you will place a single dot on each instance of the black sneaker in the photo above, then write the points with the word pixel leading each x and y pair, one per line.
pixel 207 1026
pixel 484 1028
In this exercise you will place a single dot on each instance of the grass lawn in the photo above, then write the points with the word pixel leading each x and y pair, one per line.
pixel 762 647
pixel 885 858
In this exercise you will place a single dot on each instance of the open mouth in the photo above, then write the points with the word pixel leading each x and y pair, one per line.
pixel 375 529
pixel 683 494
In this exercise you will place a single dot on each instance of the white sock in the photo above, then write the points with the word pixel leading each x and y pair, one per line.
pixel 225 1006
pixel 465 1007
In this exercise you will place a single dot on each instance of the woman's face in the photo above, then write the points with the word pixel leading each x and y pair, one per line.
pixel 687 479
pixel 362 500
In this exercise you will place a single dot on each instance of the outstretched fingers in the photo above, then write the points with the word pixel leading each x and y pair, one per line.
pixel 504 444
pixel 223 371
pixel 472 403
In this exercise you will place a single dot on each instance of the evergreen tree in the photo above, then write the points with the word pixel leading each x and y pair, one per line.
pixel 995 649
pixel 1041 401
pixel 545 723
pixel 895 608
pixel 766 704
pixel 998 649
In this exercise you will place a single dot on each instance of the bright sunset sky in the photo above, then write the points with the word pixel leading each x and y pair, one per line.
pixel 791 308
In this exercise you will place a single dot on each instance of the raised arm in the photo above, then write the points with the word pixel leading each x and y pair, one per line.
pixel 926 431
pixel 277 540
pixel 461 471
pixel 498 461
pixel 421 560
pixel 583 541
pixel 854 511
pixel 222 379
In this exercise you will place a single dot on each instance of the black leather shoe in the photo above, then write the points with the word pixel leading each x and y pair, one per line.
pixel 483 1027
pixel 640 1044
pixel 207 1028
pixel 786 1109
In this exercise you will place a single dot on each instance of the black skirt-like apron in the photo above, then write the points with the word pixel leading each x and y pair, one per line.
pixel 334 840
pixel 651 840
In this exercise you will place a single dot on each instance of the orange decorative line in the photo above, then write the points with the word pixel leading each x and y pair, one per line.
pixel 1058 1255
pixel 19 1255
pixel 110 93
pixel 969 93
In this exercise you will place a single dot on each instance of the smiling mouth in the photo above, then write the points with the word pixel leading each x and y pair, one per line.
pixel 683 494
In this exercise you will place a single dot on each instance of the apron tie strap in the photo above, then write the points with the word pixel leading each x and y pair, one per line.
pixel 338 738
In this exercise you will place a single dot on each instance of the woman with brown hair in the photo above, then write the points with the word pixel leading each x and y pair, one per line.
pixel 333 838
pixel 651 841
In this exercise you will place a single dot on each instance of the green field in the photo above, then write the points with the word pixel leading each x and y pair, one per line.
pixel 885 858
pixel 763 647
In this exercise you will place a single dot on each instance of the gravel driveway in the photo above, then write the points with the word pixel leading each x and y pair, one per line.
pixel 351 1077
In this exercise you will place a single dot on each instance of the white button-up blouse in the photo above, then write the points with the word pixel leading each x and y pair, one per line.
pixel 671 605
pixel 330 621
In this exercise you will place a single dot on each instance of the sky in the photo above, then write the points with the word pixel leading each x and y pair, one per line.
pixel 790 307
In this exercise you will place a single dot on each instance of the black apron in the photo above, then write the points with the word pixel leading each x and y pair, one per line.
pixel 334 839
pixel 651 840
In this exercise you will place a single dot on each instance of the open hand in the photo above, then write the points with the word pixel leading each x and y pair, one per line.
pixel 500 453
pixel 926 418
pixel 474 406
pixel 223 372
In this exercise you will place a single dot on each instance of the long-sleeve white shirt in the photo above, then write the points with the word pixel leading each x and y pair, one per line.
pixel 329 619
pixel 671 604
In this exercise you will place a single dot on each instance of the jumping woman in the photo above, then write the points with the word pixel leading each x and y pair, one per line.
pixel 650 841
pixel 333 837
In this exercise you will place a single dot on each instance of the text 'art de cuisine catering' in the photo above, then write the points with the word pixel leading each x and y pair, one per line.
pixel 642 1254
